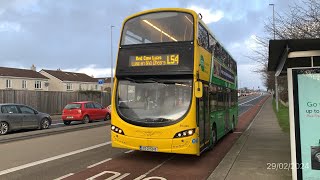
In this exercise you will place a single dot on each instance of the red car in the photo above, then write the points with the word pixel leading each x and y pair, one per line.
pixel 85 111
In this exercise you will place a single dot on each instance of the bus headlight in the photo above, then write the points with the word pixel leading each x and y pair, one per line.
pixel 116 129
pixel 185 133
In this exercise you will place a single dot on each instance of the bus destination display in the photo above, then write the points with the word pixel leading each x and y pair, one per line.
pixel 154 60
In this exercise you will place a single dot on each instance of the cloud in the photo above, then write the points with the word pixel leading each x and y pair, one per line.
pixel 6 26
pixel 248 78
pixel 251 42
pixel 240 50
pixel 92 70
pixel 71 33
pixel 75 34
pixel 209 16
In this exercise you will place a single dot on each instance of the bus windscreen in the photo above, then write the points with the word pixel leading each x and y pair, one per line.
pixel 153 102
pixel 158 27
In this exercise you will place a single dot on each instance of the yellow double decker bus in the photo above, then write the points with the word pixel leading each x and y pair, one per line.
pixel 175 87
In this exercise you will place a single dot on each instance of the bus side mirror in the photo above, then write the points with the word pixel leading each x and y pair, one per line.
pixel 198 89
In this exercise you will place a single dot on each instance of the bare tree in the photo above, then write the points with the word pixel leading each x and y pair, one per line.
pixel 302 21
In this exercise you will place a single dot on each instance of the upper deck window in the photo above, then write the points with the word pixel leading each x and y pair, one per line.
pixel 158 27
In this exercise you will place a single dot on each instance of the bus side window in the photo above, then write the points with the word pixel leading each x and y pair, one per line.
pixel 234 97
pixel 221 103
pixel 212 44
pixel 213 98
pixel 203 37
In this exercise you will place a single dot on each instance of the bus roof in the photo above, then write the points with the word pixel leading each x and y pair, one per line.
pixel 192 12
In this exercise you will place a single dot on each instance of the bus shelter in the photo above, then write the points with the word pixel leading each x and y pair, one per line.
pixel 300 61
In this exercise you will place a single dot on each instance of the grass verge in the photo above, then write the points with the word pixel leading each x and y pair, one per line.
pixel 283 116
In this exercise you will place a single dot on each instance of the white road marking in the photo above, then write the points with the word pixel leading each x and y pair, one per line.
pixel 7 171
pixel 250 100
pixel 127 152
pixel 153 169
pixel 115 175
pixel 96 164
pixel 246 110
pixel 65 176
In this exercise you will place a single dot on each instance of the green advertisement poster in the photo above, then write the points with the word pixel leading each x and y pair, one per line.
pixel 308 121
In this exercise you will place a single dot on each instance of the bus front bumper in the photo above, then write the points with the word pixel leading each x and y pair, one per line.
pixel 186 145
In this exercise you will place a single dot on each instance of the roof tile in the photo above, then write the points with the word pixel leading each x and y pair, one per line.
pixel 23 73
pixel 70 76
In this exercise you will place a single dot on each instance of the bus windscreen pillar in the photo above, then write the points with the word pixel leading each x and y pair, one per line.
pixel 304 111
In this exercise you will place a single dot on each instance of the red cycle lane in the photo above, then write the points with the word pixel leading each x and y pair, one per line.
pixel 147 165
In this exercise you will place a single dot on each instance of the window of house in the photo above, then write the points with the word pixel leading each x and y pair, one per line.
pixel 24 84
pixel 8 83
pixel 38 85
pixel 80 86
pixel 96 87
pixel 69 86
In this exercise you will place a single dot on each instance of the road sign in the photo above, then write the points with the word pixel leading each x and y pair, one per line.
pixel 100 81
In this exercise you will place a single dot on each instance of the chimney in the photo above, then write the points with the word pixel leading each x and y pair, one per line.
pixel 33 68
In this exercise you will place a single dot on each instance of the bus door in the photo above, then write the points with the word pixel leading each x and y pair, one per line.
pixel 227 110
pixel 203 118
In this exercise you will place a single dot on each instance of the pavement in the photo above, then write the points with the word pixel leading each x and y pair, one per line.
pixel 262 151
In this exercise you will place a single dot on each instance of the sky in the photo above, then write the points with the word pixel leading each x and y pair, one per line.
pixel 75 35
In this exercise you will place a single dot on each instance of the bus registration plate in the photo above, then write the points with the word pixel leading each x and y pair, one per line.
pixel 148 148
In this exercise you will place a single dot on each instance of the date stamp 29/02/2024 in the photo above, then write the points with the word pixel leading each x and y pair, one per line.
pixel 287 166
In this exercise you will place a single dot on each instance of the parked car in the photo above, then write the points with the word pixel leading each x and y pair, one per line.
pixel 19 116
pixel 86 111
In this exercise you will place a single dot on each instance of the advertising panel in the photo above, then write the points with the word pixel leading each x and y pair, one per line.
pixel 204 64
pixel 221 72
pixel 306 87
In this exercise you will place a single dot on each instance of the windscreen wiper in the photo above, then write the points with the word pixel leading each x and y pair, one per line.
pixel 137 81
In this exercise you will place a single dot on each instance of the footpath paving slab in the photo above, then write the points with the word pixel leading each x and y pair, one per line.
pixel 262 151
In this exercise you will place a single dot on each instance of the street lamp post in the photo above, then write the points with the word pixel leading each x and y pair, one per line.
pixel 275 78
pixel 274 28
pixel 111 59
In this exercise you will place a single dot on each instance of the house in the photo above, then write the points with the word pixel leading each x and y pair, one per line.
pixel 22 79
pixel 69 81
